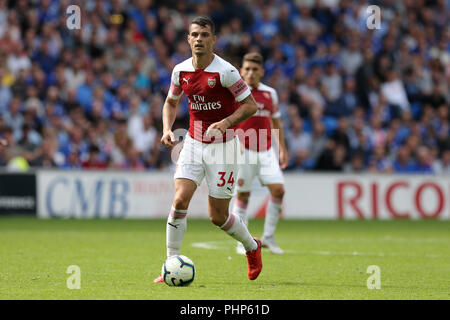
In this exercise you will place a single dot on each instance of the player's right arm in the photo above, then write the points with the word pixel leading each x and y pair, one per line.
pixel 169 114
pixel 170 109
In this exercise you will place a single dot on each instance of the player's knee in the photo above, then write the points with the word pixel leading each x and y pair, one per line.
pixel 243 196
pixel 278 192
pixel 180 203
pixel 218 220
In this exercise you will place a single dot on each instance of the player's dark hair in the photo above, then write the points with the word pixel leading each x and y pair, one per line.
pixel 253 57
pixel 204 21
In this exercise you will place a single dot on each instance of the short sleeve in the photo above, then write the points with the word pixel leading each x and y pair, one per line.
pixel 237 86
pixel 275 111
pixel 175 90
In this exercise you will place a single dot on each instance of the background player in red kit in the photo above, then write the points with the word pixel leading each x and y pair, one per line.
pixel 218 100
pixel 261 160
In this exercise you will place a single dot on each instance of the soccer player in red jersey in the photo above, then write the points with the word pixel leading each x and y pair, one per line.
pixel 218 100
pixel 261 160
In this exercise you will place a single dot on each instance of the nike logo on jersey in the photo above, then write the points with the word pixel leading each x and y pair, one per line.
pixel 229 189
pixel 173 225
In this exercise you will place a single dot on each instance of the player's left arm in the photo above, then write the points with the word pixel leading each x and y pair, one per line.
pixel 277 125
pixel 241 93
pixel 247 108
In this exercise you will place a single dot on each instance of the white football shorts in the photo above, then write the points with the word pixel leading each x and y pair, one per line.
pixel 215 161
pixel 264 165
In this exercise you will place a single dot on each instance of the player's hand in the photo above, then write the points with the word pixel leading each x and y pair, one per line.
pixel 217 129
pixel 168 138
pixel 284 159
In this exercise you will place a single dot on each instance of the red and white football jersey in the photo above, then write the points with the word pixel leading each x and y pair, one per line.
pixel 213 93
pixel 257 128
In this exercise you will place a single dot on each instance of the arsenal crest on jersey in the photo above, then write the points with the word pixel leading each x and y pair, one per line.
pixel 211 82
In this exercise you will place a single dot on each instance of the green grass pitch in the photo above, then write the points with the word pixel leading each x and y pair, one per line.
pixel 119 259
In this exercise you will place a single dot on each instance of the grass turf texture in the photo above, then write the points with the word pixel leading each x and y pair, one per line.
pixel 323 260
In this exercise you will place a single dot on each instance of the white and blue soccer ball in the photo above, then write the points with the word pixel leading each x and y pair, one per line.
pixel 178 271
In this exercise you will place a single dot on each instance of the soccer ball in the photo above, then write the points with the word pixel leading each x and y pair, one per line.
pixel 178 271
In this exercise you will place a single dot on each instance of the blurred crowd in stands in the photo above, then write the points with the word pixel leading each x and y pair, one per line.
pixel 352 99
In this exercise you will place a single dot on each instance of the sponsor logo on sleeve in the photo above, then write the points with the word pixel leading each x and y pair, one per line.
pixel 238 88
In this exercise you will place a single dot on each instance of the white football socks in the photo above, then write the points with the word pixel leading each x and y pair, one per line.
pixel 175 230
pixel 273 212
pixel 236 228
pixel 240 209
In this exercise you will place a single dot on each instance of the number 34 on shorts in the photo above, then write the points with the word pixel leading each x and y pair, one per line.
pixel 224 180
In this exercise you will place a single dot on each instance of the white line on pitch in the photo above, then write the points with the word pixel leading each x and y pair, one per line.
pixel 224 245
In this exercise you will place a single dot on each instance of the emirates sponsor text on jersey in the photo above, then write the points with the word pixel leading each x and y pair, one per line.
pixel 199 103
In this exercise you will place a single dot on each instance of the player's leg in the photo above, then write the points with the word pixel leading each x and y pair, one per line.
pixel 234 226
pixel 273 212
pixel 248 169
pixel 240 205
pixel 188 175
pixel 246 173
pixel 240 209
pixel 220 177
pixel 271 176
pixel 221 172
pixel 176 221
pixel 229 222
